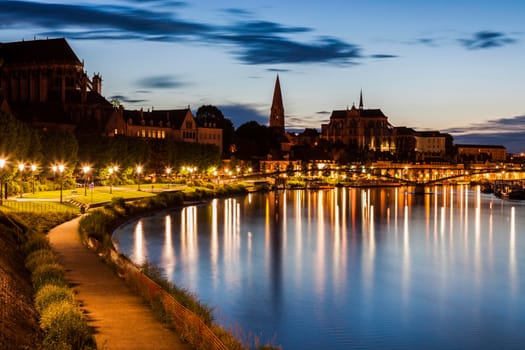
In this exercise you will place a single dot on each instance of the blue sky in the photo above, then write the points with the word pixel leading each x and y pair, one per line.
pixel 451 65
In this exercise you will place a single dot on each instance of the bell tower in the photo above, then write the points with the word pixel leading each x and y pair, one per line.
pixel 277 110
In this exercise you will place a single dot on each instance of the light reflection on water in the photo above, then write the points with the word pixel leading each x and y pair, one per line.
pixel 350 268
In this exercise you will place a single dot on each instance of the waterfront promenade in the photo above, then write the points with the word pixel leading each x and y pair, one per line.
pixel 120 318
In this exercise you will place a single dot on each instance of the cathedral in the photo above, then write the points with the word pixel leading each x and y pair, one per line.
pixel 360 129
pixel 43 82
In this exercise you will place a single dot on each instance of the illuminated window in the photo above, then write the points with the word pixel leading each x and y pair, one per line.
pixel 143 133
pixel 116 131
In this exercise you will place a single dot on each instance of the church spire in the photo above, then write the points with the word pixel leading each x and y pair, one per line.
pixel 277 110
pixel 361 99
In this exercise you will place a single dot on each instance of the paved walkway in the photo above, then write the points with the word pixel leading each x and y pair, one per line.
pixel 121 319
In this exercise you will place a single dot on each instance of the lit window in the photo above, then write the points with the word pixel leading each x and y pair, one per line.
pixel 116 131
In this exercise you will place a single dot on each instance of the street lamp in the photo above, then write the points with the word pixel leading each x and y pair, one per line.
pixel 33 169
pixel 139 170
pixel 85 169
pixel 168 173
pixel 60 168
pixel 2 165
pixel 112 170
pixel 21 167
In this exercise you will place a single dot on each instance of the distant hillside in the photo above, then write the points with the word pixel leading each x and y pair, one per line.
pixel 19 327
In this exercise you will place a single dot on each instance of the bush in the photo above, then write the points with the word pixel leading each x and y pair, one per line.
pixel 65 327
pixel 35 241
pixel 48 274
pixel 182 295
pixel 49 294
pixel 40 257
pixel 97 224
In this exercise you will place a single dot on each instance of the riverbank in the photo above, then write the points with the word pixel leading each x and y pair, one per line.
pixel 120 318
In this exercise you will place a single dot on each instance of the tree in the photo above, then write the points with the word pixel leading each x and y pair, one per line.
pixel 211 115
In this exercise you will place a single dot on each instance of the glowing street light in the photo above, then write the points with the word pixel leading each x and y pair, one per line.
pixel 86 169
pixel 60 169
pixel 33 169
pixel 21 167
pixel 112 170
pixel 2 165
pixel 168 173
pixel 139 171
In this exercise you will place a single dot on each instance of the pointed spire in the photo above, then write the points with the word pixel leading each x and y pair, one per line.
pixel 361 99
pixel 277 110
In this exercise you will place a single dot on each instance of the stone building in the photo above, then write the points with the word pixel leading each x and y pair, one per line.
pixel 44 83
pixel 481 153
pixel 360 129
pixel 174 124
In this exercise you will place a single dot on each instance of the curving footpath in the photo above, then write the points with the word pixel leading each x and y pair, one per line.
pixel 120 318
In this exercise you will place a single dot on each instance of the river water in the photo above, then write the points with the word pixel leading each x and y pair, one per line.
pixel 349 268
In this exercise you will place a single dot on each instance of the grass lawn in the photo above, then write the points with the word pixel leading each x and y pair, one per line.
pixel 38 206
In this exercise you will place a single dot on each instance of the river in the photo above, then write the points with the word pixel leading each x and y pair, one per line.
pixel 349 268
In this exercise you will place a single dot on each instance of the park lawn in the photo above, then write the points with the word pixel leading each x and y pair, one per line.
pixel 99 194
pixel 39 207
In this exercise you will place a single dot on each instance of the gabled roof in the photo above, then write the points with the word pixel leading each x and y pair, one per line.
pixel 360 113
pixel 39 52
pixel 175 117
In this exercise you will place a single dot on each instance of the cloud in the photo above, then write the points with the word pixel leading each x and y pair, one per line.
pixel 486 40
pixel 275 49
pixel 113 21
pixel 237 12
pixel 251 41
pixel 324 112
pixel 160 82
pixel 278 70
pixel 127 99
pixel 509 132
pixel 243 113
pixel 382 56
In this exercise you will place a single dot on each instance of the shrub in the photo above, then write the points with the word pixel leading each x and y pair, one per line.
pixel 48 274
pixel 35 241
pixel 40 257
pixel 182 295
pixel 65 327
pixel 97 223
pixel 49 294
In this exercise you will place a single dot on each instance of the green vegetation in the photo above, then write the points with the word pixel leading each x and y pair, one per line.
pixel 100 223
pixel 63 323
pixel 182 295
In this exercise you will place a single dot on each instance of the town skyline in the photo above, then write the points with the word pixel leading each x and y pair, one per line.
pixel 457 73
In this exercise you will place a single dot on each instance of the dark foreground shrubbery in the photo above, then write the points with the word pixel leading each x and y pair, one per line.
pixel 63 323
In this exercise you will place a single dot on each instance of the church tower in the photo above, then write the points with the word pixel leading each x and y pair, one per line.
pixel 277 110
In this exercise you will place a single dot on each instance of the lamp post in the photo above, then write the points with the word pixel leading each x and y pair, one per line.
pixel 60 168
pixel 33 169
pixel 21 167
pixel 168 173
pixel 112 170
pixel 2 165
pixel 85 169
pixel 139 170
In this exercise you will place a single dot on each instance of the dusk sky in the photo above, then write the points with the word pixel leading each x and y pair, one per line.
pixel 456 65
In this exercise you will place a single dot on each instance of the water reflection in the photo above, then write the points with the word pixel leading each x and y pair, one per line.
pixel 347 268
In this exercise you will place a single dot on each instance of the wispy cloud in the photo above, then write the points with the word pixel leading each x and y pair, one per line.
pixel 127 99
pixel 509 132
pixel 252 41
pixel 486 40
pixel 160 82
pixel 278 70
